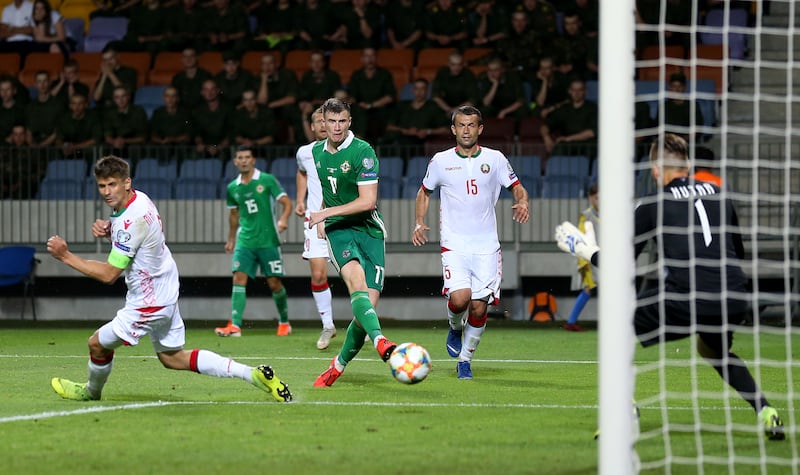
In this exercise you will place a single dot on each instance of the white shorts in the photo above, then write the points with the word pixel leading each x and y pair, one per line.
pixel 165 327
pixel 313 247
pixel 481 273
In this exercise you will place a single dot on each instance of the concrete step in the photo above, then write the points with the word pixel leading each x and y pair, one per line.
pixel 739 108
pixel 772 74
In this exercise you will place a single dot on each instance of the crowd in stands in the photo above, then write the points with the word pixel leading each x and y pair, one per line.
pixel 523 62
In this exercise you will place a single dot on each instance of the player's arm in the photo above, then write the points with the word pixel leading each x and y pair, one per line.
pixel 582 263
pixel 520 208
pixel 283 220
pixel 301 180
pixel 233 226
pixel 106 272
pixel 418 236
pixel 367 201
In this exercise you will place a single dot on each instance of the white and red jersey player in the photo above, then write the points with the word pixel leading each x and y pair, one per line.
pixel 314 245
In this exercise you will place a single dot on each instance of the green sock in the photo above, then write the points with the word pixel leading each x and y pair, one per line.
pixel 365 313
pixel 282 303
pixel 353 341
pixel 238 302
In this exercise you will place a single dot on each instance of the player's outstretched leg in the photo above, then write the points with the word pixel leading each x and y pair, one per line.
pixel 71 390
pixel 264 378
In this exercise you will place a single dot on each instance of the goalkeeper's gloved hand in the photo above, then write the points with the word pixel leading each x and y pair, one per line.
pixel 572 241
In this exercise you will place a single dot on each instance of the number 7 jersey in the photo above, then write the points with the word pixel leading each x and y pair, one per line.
pixel 469 187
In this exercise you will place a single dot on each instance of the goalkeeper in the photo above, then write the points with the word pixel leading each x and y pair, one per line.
pixel 693 284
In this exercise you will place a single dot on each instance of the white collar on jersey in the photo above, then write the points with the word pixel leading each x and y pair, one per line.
pixel 345 143
pixel 256 174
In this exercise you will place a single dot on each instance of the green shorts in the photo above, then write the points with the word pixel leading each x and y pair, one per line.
pixel 345 245
pixel 269 259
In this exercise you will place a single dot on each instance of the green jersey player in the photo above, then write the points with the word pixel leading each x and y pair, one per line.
pixel 348 172
pixel 253 238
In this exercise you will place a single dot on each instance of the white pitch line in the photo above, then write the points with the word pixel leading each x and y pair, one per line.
pixel 147 405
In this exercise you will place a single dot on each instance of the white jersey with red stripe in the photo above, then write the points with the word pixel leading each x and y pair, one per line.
pixel 470 187
pixel 137 234
pixel 305 162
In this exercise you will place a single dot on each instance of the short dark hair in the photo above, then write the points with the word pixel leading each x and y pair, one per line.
pixel 245 148
pixel 679 77
pixel 335 106
pixel 112 166
pixel 466 110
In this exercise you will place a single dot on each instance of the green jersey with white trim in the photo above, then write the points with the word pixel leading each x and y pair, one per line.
pixel 340 174
pixel 256 203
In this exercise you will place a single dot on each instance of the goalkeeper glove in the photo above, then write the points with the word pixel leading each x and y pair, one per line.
pixel 572 241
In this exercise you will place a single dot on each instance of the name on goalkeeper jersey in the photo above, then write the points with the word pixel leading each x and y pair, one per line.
pixel 698 189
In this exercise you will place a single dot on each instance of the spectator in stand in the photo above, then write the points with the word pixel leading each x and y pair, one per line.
pixel 11 112
pixel 454 85
pixel 233 80
pixel 106 8
pixel 16 27
pixel 253 125
pixel 187 27
pixel 501 92
pixel 43 113
pixel 575 53
pixel 211 119
pixel 541 20
pixel 113 75
pixel 69 83
pixel 678 110
pixel 446 25
pixel 170 126
pixel 571 129
pixel 21 167
pixel 230 27
pixel 189 81
pixel 147 29
pixel 704 166
pixel 48 29
pixel 372 90
pixel 79 130
pixel 414 121
pixel 677 13
pixel 521 48
pixel 277 89
pixel 19 137
pixel 488 24
pixel 589 11
pixel 315 30
pixel 642 120
pixel 549 88
pixel 404 23
pixel 318 84
pixel 276 26
pixel 125 124
pixel 363 25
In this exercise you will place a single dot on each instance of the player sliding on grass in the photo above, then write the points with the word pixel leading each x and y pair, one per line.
pixel 348 171
pixel 699 259
pixel 138 251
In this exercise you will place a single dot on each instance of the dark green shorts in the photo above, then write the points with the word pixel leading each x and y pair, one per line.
pixel 269 259
pixel 346 245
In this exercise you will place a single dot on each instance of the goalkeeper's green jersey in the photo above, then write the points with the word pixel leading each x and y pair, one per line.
pixel 340 174
pixel 256 203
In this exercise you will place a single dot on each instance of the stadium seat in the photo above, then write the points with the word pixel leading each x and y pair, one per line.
pixel 526 165
pixel 297 61
pixel 208 168
pixel 196 189
pixel 211 61
pixel 251 61
pixel 61 189
pixel 498 129
pixel 75 28
pixel 232 172
pixel 399 62
pixel 155 168
pixel 430 60
pixel 283 166
pixel 9 63
pixel 150 98
pixel 102 30
pixel 77 10
pixel 344 62
pixel 530 129
pixel 709 65
pixel 88 66
pixel 471 55
pixel 572 165
pixel 90 191
pixel 155 188
pixel 389 187
pixel 391 167
pixel 411 186
pixel 18 266
pixel 417 166
pixel 53 63
pixel 65 169
pixel 563 186
pixel 139 61
pixel 672 55
pixel 737 42
pixel 166 65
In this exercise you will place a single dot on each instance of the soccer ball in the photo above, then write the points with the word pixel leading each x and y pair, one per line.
pixel 410 363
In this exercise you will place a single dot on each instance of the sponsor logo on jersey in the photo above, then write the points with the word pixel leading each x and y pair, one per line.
pixel 346 253
pixel 368 163
pixel 127 223
pixel 122 247
pixel 485 168
pixel 260 189
pixel 123 236
pixel 369 174
pixel 345 167
pixel 451 169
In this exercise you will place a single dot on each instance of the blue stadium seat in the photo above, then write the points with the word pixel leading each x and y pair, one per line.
pixel 283 166
pixel 389 187
pixel 411 185
pixel 391 167
pixel 149 98
pixel 102 30
pixel 196 189
pixel 90 188
pixel 232 172
pixel 563 186
pixel 155 188
pixel 155 168
pixel 208 168
pixel 575 165
pixel 530 165
pixel 66 169
pixel 74 28
pixel 417 166
pixel 61 189
pixel 289 186
pixel 531 184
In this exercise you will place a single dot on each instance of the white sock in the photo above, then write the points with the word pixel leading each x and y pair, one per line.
pixel 98 375
pixel 324 301
pixel 213 364
pixel 456 320
pixel 472 337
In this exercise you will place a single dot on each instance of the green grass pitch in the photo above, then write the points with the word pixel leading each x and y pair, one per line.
pixel 532 408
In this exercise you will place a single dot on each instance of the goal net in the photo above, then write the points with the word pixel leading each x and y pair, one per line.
pixel 722 75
